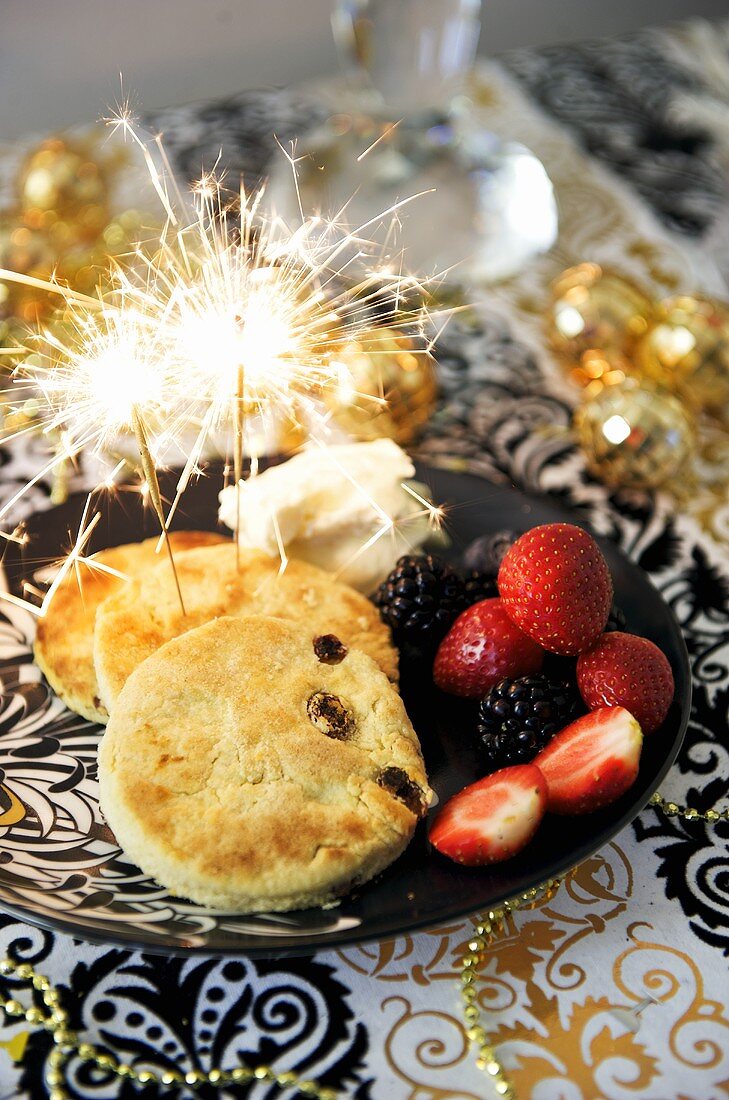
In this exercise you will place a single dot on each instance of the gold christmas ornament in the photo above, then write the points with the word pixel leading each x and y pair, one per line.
pixel 63 191
pixel 634 435
pixel 30 252
pixel 594 308
pixel 597 369
pixel 388 387
pixel 687 350
pixel 121 230
pixel 24 249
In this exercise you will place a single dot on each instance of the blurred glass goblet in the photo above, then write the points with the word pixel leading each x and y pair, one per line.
pixel 412 55
pixel 404 127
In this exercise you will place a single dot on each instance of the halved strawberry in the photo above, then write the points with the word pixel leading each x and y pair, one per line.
pixel 556 586
pixel 492 819
pixel 591 762
pixel 481 648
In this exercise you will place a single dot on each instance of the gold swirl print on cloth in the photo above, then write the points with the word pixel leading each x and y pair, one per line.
pixel 569 1007
pixel 696 1027
pixel 609 1021
pixel 429 957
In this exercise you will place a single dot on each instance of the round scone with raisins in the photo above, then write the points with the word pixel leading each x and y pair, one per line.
pixel 64 640
pixel 251 765
pixel 215 581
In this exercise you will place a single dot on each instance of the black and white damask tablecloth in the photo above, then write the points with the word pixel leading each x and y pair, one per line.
pixel 618 986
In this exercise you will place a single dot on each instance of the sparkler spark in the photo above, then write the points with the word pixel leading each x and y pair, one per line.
pixel 255 313
pixel 92 382
pixel 234 314
pixel 434 512
pixel 108 379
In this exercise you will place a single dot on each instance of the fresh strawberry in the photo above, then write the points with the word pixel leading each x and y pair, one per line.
pixel 622 670
pixel 482 647
pixel 493 819
pixel 556 586
pixel 591 762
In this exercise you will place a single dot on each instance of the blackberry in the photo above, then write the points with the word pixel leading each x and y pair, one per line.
pixel 616 620
pixel 479 586
pixel 486 553
pixel 419 601
pixel 519 717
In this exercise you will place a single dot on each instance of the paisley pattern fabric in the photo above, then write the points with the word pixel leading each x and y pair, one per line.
pixel 616 97
pixel 617 986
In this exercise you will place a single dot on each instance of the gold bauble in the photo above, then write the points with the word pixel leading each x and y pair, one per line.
pixel 593 307
pixel 22 249
pixel 634 436
pixel 123 232
pixel 64 233
pixel 63 192
pixel 86 265
pixel 596 369
pixel 29 252
pixel 687 351
pixel 388 387
pixel 82 269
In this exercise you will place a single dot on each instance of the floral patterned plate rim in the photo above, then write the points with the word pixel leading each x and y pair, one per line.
pixel 60 867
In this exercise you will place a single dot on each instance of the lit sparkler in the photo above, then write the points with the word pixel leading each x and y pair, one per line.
pixel 234 313
pixel 256 312
pixel 249 325
pixel 110 376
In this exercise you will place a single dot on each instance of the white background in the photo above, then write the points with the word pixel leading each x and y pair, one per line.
pixel 60 59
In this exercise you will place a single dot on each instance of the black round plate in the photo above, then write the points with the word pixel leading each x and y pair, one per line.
pixel 60 868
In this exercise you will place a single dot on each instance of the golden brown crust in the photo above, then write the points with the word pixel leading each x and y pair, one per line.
pixel 64 640
pixel 217 782
pixel 133 623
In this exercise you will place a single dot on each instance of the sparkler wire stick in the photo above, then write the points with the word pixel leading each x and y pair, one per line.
pixel 238 446
pixel 150 474
pixel 9 276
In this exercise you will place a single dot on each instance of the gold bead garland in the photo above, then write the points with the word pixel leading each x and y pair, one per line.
pixel 688 813
pixel 488 927
pixel 66 1042
pixel 62 224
